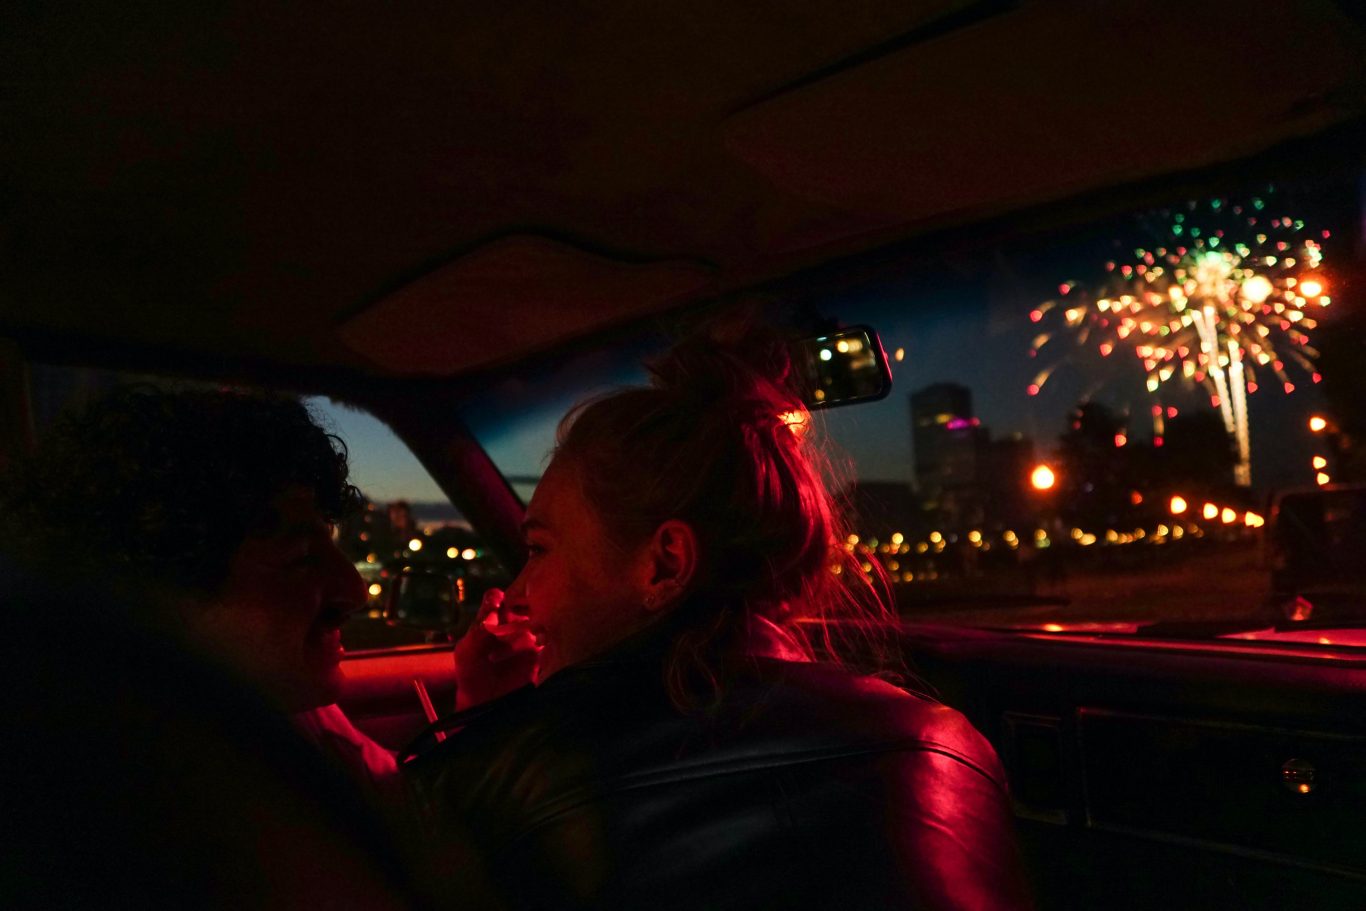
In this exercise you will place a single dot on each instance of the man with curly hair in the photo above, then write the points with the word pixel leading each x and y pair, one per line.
pixel 209 514
pixel 161 549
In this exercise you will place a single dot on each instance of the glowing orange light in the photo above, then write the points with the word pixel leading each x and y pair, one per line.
pixel 1043 478
pixel 375 589
pixel 1304 789
pixel 1322 478
pixel 468 553
pixel 796 422
pixel 1318 423
pixel 452 552
pixel 415 544
pixel 1252 520
pixel 1210 511
pixel 1120 439
pixel 1052 627
pixel 1179 505
pixel 1135 497
pixel 1320 463
pixel 1311 287
pixel 1228 516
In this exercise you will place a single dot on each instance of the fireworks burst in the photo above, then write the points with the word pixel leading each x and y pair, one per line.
pixel 1224 298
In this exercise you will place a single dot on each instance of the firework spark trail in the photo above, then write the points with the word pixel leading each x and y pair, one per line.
pixel 1224 294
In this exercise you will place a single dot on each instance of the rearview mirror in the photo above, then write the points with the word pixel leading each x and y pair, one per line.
pixel 841 368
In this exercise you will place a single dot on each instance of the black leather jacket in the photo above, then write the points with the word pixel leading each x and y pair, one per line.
pixel 809 788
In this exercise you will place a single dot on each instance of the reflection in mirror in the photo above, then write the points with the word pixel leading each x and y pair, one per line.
pixel 841 368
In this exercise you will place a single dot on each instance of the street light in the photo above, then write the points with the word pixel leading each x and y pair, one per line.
pixel 1179 505
pixel 1043 478
pixel 1318 423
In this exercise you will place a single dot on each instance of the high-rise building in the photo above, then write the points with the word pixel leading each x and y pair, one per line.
pixel 946 438
pixel 964 478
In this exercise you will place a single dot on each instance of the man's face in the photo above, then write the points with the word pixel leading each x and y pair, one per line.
pixel 580 591
pixel 278 617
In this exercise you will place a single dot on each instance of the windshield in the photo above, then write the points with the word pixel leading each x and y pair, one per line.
pixel 1097 428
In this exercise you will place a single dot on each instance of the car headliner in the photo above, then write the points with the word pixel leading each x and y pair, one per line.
pixel 437 188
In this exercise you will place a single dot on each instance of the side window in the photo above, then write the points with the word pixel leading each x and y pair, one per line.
pixel 425 567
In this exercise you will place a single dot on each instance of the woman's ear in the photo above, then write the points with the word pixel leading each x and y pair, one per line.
pixel 673 559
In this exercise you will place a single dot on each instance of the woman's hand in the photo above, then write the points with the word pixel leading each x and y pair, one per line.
pixel 496 656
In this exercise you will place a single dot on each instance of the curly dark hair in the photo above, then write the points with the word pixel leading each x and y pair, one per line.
pixel 159 488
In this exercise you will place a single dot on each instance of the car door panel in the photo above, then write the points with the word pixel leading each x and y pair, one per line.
pixel 379 696
pixel 1190 775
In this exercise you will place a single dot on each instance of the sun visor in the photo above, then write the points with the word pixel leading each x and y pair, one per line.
pixel 1054 99
pixel 507 299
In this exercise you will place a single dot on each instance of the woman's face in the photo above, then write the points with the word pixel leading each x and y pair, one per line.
pixel 580 592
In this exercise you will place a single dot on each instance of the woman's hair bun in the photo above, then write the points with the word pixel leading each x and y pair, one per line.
pixel 743 370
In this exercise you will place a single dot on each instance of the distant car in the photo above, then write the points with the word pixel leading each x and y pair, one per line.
pixel 1317 539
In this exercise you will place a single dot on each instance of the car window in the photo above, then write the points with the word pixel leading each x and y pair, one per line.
pixel 425 566
pixel 1091 428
